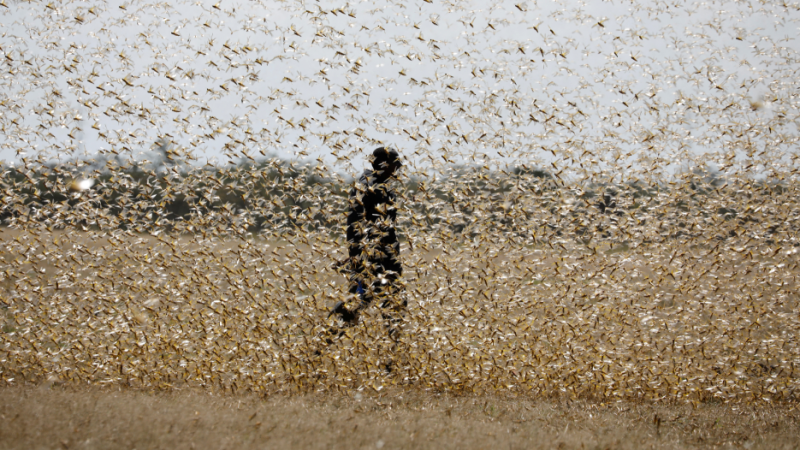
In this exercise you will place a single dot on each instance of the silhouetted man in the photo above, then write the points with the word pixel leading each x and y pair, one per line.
pixel 373 264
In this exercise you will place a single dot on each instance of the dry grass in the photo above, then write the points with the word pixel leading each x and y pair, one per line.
pixel 682 320
pixel 76 417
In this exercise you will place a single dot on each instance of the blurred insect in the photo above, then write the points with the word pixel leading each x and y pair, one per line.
pixel 81 184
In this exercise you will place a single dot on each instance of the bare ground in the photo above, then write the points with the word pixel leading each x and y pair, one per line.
pixel 51 416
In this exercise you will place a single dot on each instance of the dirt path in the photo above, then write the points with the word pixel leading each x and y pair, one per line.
pixel 76 418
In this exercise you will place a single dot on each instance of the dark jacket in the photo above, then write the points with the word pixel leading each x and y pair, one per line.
pixel 371 233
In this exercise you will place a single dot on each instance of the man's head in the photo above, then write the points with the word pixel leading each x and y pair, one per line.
pixel 385 161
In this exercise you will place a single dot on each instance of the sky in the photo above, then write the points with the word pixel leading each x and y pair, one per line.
pixel 583 88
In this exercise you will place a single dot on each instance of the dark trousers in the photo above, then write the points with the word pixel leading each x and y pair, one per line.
pixel 372 285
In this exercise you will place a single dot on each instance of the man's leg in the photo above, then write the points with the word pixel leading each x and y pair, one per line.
pixel 357 288
pixel 387 291
pixel 392 311
pixel 392 307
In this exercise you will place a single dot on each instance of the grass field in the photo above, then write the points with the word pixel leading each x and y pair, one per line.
pixel 682 321
pixel 51 416
pixel 660 328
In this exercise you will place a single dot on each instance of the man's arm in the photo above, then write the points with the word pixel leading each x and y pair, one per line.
pixel 355 218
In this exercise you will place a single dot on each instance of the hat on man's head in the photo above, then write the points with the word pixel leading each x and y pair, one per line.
pixel 387 155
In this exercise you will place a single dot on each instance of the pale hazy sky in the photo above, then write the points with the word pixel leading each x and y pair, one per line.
pixel 569 84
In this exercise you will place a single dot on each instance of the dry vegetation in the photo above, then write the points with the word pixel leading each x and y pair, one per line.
pixel 670 298
pixel 86 418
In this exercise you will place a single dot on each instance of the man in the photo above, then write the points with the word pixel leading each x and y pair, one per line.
pixel 373 266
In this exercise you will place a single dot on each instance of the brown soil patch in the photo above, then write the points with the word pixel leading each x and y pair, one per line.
pixel 70 417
